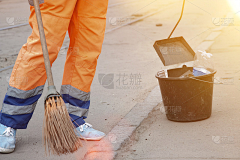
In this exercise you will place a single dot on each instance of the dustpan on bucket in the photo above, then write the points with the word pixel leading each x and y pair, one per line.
pixel 174 50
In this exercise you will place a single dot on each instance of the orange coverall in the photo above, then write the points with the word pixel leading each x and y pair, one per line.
pixel 85 21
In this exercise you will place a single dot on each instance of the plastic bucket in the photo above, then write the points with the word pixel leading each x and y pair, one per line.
pixel 187 99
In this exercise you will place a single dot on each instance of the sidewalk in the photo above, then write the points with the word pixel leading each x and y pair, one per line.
pixel 127 54
pixel 215 138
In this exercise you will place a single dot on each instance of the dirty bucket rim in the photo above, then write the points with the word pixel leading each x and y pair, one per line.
pixel 213 72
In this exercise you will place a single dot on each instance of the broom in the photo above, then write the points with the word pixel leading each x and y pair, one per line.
pixel 59 132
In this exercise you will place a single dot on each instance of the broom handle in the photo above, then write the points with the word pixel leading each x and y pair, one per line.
pixel 44 43
pixel 178 20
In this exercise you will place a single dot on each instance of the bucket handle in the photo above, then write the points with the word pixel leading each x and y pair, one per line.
pixel 207 81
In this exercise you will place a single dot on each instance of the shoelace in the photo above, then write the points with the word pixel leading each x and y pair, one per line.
pixel 8 131
pixel 85 124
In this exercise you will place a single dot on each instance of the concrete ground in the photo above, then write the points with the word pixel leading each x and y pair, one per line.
pixel 128 51
pixel 214 138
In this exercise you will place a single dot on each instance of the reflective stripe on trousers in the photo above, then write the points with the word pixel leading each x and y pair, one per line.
pixel 85 22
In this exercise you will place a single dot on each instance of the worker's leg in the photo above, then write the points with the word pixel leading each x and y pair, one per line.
pixel 28 75
pixel 86 31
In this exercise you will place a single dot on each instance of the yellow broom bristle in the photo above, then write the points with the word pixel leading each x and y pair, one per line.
pixel 59 132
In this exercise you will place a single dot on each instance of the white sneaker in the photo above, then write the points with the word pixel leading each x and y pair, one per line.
pixel 7 139
pixel 86 132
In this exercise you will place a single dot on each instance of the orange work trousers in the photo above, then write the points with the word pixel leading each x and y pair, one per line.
pixel 85 21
